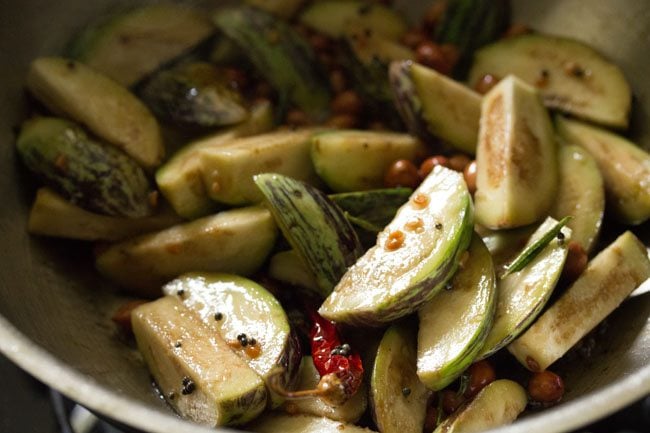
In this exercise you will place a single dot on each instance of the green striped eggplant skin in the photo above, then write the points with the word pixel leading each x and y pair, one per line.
pixel 314 226
pixel 413 259
pixel 196 94
pixel 90 174
pixel 281 55
pixel 407 101
pixel 471 24
pixel 456 322
pixel 434 105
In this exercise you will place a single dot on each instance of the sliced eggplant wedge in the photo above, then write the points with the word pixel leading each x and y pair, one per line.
pixel 415 255
pixel 131 45
pixel 53 215
pixel 280 55
pixel 235 241
pixel 456 322
pixel 196 371
pixel 180 179
pixel 580 194
pixel 516 158
pixel 228 170
pixel 353 160
pixel 195 94
pixel 625 168
pixel 522 295
pixel 334 17
pixel 498 404
pixel 314 226
pixel 107 109
pixel 349 412
pixel 289 267
pixel 433 105
pixel 231 306
pixel 91 174
pixel 398 399
pixel 609 278
pixel 277 422
pixel 571 76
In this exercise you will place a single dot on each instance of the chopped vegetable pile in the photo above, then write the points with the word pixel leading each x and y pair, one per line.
pixel 332 217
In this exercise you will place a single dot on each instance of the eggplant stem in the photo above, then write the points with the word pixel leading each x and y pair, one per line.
pixel 291 395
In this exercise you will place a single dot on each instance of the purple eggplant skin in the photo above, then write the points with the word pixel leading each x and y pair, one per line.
pixel 408 103
pixel 289 362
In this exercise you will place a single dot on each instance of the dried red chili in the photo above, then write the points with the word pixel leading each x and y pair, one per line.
pixel 340 369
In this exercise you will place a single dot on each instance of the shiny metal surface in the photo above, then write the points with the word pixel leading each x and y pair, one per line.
pixel 55 312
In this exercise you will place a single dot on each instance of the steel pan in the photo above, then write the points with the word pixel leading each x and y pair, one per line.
pixel 55 310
